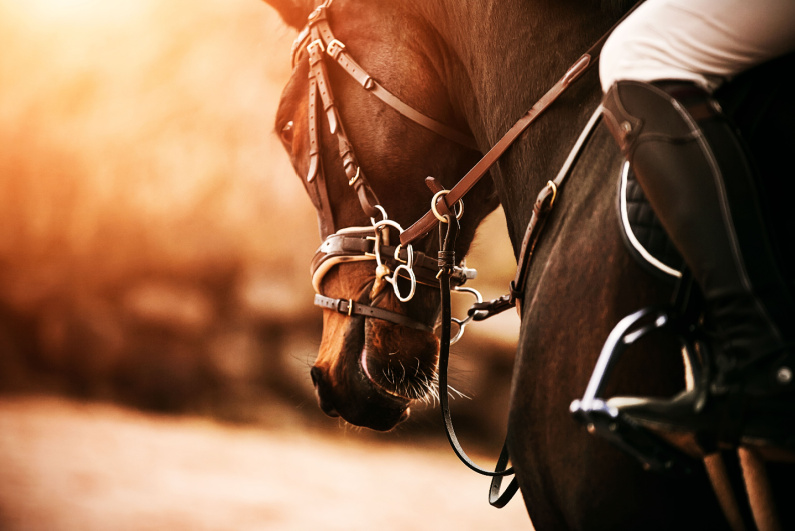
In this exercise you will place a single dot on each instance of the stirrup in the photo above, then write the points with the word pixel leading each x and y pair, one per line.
pixel 604 418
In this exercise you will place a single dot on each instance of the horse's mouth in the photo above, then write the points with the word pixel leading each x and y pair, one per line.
pixel 397 380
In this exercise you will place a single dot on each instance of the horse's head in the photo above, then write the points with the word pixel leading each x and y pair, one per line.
pixel 366 116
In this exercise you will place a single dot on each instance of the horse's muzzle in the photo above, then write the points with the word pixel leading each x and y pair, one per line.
pixel 358 401
pixel 322 393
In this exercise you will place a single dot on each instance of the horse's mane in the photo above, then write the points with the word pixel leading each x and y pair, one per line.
pixel 617 7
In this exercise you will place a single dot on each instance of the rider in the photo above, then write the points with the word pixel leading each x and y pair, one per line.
pixel 659 69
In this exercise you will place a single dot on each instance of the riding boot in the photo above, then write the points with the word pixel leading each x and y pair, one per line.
pixel 695 172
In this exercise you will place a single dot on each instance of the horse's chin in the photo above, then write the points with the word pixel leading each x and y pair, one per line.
pixel 405 389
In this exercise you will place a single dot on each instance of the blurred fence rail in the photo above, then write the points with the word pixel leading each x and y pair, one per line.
pixel 155 243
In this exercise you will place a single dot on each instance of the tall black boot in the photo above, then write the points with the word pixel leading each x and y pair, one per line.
pixel 694 170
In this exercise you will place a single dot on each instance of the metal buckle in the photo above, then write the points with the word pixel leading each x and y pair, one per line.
pixel 355 178
pixel 316 42
pixel 334 48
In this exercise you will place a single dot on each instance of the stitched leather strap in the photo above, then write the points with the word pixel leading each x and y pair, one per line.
pixel 338 52
pixel 446 261
pixel 351 307
pixel 427 222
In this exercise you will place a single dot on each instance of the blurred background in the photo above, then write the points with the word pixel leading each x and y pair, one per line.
pixel 154 284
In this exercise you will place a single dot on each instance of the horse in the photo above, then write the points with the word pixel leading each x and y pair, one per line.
pixel 426 88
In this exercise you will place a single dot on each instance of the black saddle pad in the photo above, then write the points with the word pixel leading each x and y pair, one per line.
pixel 643 233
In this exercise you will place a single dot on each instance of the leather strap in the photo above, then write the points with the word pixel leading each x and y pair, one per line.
pixel 428 221
pixel 323 44
pixel 351 308
pixel 541 210
pixel 446 263
pixel 337 50
pixel 319 86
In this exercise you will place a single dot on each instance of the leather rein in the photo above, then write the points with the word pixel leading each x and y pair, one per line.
pixel 372 243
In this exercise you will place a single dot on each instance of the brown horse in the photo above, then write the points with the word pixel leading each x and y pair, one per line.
pixel 469 69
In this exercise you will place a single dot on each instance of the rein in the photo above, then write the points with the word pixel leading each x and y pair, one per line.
pixel 352 244
pixel 541 209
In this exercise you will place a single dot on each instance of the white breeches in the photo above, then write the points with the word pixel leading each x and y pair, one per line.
pixel 703 41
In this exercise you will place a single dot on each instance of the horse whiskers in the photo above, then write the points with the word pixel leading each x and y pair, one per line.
pixel 421 387
pixel 453 391
pixel 389 375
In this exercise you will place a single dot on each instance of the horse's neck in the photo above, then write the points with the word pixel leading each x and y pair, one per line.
pixel 510 53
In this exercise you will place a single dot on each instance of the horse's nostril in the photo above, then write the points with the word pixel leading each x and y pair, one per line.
pixel 317 376
pixel 321 390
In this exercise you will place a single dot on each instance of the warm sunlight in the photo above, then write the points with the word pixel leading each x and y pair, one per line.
pixel 154 254
pixel 77 12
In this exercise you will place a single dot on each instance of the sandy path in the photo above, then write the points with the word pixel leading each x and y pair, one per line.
pixel 72 466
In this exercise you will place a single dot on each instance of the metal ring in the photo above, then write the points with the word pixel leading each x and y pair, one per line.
pixel 388 223
pixel 436 212
pixel 394 282
pixel 383 213
pixel 409 255
pixel 463 322
pixel 316 42
pixel 330 47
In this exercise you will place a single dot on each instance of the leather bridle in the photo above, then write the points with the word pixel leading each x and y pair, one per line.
pixel 321 46
pixel 365 243
pixel 354 244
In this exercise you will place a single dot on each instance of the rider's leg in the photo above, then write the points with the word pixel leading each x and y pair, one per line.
pixel 693 169
pixel 703 41
pixel 692 166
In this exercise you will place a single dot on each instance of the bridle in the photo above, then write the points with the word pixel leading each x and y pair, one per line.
pixel 356 244
pixel 372 243
pixel 321 46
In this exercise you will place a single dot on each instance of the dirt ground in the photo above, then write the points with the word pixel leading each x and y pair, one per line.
pixel 66 465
